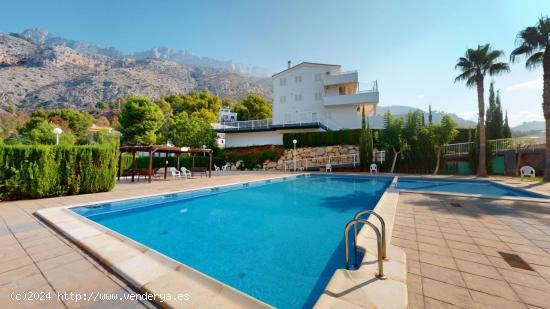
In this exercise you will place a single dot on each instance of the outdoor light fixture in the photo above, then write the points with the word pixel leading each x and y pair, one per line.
pixel 294 141
pixel 57 132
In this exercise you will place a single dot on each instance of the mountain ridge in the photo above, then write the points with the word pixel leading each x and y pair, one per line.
pixel 44 37
pixel 54 76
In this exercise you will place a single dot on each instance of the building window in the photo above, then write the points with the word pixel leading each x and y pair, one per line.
pixel 282 81
pixel 342 90
pixel 298 78
pixel 297 97
pixel 318 77
pixel 318 96
pixel 282 100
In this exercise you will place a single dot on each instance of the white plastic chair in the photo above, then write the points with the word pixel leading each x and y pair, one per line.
pixel 373 168
pixel 527 171
pixel 328 168
pixel 174 172
pixel 216 168
pixel 186 172
pixel 226 167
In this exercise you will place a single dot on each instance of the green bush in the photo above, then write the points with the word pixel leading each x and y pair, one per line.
pixel 33 171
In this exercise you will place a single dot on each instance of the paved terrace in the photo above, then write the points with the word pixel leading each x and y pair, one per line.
pixel 35 258
pixel 454 251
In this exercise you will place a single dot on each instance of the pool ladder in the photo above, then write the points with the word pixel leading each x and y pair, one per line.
pixel 380 239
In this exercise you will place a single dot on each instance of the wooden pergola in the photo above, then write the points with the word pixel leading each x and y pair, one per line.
pixel 166 150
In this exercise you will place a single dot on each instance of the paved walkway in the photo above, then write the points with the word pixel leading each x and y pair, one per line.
pixel 34 258
pixel 474 253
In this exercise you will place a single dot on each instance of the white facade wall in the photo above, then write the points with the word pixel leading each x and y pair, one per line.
pixel 299 95
pixel 245 139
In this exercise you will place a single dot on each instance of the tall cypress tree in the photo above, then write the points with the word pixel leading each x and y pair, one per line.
pixel 498 119
pixel 506 132
pixel 430 114
pixel 490 123
pixel 365 155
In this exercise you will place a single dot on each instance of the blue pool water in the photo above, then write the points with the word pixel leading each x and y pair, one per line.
pixel 482 187
pixel 279 241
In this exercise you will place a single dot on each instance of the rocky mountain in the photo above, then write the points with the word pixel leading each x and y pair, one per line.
pixel 377 121
pixel 43 37
pixel 531 126
pixel 41 70
pixel 186 57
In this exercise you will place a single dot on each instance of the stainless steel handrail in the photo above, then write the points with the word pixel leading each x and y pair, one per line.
pixel 378 240
pixel 382 225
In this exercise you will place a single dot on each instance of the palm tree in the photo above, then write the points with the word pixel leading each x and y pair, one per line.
pixel 534 43
pixel 475 65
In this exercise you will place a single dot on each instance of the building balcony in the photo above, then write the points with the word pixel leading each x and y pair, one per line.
pixel 341 79
pixel 363 97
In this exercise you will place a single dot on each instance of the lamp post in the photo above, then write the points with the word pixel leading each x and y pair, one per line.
pixel 294 153
pixel 57 132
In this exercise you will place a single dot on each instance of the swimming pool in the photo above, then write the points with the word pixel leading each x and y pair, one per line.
pixel 482 187
pixel 279 241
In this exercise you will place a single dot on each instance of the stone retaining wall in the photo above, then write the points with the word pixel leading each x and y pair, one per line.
pixel 310 152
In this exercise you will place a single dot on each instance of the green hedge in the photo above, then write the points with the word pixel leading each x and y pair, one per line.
pixel 349 137
pixel 36 171
pixel 329 138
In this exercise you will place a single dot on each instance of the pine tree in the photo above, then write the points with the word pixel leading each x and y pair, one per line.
pixel 430 114
pixel 506 132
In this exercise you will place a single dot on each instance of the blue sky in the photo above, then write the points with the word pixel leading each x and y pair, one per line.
pixel 410 47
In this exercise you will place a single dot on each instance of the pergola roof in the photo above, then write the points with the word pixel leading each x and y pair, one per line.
pixel 164 149
pixel 151 149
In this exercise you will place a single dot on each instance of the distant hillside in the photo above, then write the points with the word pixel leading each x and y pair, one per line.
pixel 377 121
pixel 530 126
pixel 39 70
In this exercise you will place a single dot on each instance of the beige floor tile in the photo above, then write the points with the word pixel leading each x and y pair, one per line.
pixel 521 278
pixel 460 238
pixel 442 274
pixel 478 269
pixel 430 303
pixel 490 286
pixel 487 301
pixel 438 260
pixel 416 301
pixel 441 250
pixel 414 283
pixel 447 293
pixel 463 246
pixel 532 296
pixel 470 256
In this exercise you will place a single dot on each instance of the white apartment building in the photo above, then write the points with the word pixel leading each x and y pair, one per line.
pixel 306 97
pixel 311 92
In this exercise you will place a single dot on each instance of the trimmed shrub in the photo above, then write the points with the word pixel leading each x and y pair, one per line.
pixel 37 171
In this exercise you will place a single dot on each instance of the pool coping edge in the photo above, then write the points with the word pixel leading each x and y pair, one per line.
pixel 361 288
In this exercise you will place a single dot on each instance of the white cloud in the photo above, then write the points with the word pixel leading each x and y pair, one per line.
pixel 471 115
pixel 531 84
